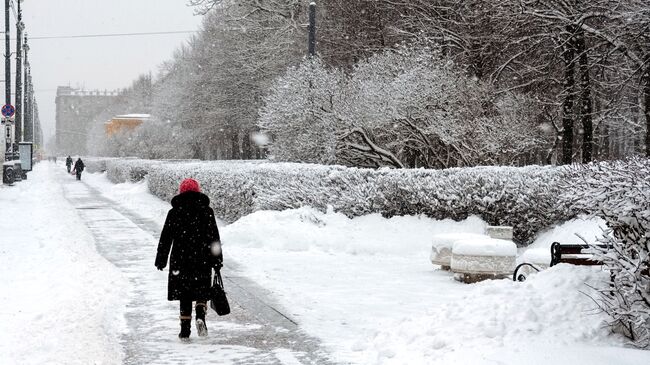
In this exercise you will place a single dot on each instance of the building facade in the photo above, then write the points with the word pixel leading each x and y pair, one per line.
pixel 75 111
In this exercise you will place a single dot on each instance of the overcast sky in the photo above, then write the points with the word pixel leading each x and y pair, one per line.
pixel 98 63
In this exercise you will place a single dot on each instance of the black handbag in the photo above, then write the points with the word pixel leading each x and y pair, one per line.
pixel 218 300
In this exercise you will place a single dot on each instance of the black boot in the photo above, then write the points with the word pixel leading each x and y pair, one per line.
pixel 186 323
pixel 201 328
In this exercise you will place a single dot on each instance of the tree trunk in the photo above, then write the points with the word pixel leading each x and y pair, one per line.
pixel 586 108
pixel 247 152
pixel 567 105
pixel 234 139
pixel 646 107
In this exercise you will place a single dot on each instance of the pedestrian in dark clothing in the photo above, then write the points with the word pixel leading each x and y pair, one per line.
pixel 68 163
pixel 79 168
pixel 192 236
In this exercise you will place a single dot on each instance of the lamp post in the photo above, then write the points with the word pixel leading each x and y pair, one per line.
pixel 19 75
pixel 6 143
pixel 312 29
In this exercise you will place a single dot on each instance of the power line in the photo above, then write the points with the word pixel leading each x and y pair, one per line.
pixel 104 35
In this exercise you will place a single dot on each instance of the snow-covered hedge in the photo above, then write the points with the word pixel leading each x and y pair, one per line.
pixel 229 186
pixel 619 192
pixel 97 164
pixel 123 170
pixel 526 198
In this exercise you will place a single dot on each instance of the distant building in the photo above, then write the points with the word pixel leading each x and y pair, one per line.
pixel 123 123
pixel 75 111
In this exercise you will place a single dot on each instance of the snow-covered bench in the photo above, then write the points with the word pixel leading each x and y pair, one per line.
pixel 560 253
pixel 442 244
pixel 479 258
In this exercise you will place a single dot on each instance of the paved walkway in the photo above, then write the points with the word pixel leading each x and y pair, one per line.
pixel 256 332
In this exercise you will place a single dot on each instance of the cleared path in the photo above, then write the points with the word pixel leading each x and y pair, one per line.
pixel 256 332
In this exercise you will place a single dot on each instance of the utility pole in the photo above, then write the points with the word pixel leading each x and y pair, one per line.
pixel 7 55
pixel 6 142
pixel 312 29
pixel 19 75
pixel 28 119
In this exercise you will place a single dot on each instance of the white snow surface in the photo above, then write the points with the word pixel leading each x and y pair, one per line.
pixel 446 240
pixel 62 301
pixel 540 256
pixel 366 288
pixel 570 232
pixel 484 246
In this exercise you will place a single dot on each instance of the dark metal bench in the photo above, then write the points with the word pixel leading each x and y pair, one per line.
pixel 569 254
pixel 573 254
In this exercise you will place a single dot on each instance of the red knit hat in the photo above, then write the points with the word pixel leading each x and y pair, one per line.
pixel 189 185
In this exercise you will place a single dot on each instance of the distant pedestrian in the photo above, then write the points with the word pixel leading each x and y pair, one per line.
pixel 192 236
pixel 68 163
pixel 79 168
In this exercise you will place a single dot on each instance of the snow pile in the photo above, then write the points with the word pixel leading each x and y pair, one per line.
pixel 548 309
pixel 571 232
pixel 375 302
pixel 447 240
pixel 63 303
pixel 443 243
pixel 484 246
pixel 306 229
pixel 537 256
pixel 483 255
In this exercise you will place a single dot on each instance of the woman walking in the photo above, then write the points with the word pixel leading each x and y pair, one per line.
pixel 192 236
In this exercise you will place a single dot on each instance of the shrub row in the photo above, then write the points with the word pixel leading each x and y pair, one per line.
pixel 526 197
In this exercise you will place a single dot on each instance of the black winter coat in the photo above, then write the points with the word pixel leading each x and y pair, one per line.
pixel 189 232
pixel 79 166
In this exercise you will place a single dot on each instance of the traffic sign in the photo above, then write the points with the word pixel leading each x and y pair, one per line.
pixel 8 110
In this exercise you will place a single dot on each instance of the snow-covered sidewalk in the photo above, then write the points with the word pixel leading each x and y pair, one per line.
pixel 366 288
pixel 62 301
pixel 251 334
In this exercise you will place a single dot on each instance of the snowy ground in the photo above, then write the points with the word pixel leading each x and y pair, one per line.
pixel 48 263
pixel 366 288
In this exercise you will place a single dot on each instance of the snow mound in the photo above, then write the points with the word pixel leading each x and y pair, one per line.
pixel 549 308
pixel 447 240
pixel 441 248
pixel 538 256
pixel 307 229
pixel 484 246
pixel 570 232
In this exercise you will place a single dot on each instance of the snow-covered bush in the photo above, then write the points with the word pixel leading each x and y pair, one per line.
pixel 97 164
pixel 526 198
pixel 228 184
pixel 123 170
pixel 297 113
pixel 619 192
pixel 398 108
pixel 522 197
